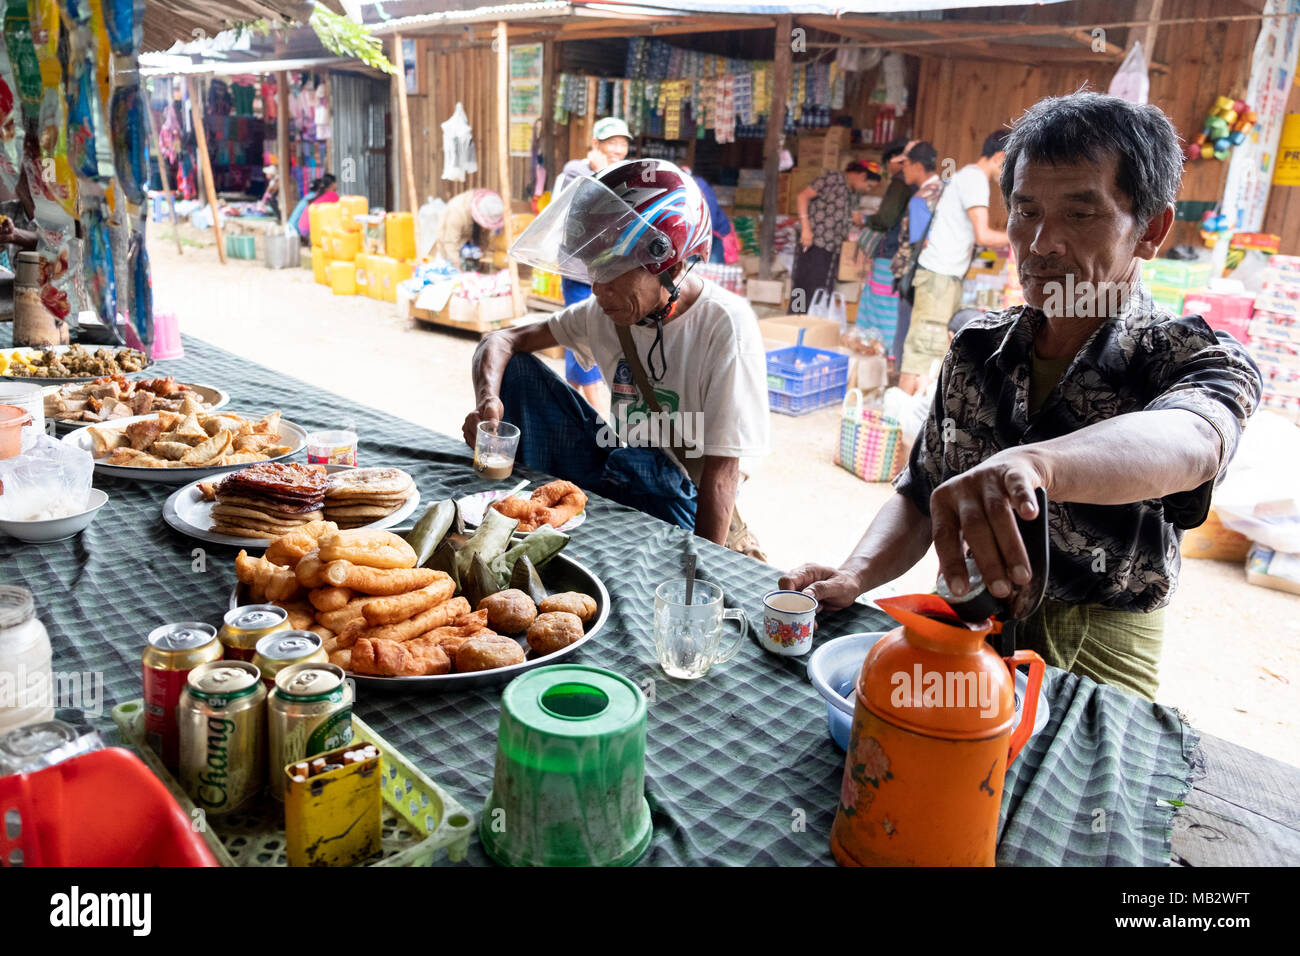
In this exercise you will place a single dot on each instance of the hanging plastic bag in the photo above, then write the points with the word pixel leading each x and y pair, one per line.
pixel 1130 81
pixel 428 220
pixel 820 305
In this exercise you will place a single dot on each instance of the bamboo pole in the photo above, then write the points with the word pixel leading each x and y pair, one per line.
pixel 205 163
pixel 408 160
pixel 503 156
pixel 772 143
pixel 282 145
pixel 162 174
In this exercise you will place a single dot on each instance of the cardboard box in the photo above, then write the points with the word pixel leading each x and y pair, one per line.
pixel 848 270
pixel 768 291
pixel 822 147
pixel 494 312
pixel 784 329
pixel 1273 569
pixel 800 178
pixel 749 197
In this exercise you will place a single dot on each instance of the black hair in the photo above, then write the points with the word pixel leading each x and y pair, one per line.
pixel 994 143
pixel 327 181
pixel 961 317
pixel 891 149
pixel 858 166
pixel 1064 130
pixel 925 154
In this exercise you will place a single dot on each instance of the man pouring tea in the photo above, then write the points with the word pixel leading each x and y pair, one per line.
pixel 1124 414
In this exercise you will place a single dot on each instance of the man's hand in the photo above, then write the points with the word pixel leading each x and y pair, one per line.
pixel 489 411
pixel 977 509
pixel 833 588
pixel 596 159
pixel 806 237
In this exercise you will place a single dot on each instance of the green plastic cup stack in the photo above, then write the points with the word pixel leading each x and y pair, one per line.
pixel 569 786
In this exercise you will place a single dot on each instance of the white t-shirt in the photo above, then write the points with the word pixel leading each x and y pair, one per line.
pixel 951 241
pixel 716 379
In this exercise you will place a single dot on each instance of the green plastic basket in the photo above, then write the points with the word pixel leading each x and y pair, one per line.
pixel 419 820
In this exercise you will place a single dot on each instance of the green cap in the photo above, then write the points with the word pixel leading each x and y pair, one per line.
pixel 608 127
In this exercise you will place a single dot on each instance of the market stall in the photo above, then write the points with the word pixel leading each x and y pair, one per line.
pixel 729 756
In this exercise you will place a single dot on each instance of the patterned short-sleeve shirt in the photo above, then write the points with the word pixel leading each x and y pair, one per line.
pixel 829 212
pixel 1120 556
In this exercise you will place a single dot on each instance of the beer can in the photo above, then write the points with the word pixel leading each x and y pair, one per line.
pixel 309 712
pixel 244 626
pixel 222 719
pixel 277 651
pixel 172 651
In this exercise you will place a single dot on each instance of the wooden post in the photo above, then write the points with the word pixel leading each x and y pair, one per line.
pixel 282 145
pixel 408 160
pixel 1150 11
pixel 772 143
pixel 205 163
pixel 503 156
pixel 162 173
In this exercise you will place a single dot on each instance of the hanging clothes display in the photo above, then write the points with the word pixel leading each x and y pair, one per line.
pixel 458 154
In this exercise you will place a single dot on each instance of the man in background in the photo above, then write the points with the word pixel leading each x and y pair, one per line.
pixel 961 222
pixel 610 141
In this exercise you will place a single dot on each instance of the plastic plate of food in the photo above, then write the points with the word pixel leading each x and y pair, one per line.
pixel 458 611
pixel 76 404
pixel 57 364
pixel 176 449
pixel 189 511
pixel 473 506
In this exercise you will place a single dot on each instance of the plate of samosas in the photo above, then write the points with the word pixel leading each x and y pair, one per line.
pixel 391 623
pixel 175 448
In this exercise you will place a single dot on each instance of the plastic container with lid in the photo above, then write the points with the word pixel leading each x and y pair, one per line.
pixel 26 395
pixel 333 447
pixel 24 660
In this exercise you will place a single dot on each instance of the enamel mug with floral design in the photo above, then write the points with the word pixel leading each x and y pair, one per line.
pixel 788 622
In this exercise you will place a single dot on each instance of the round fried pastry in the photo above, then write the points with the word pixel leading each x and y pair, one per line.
pixel 486 652
pixel 509 611
pixel 554 630
pixel 575 602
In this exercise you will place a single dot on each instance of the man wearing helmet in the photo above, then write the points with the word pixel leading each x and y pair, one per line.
pixel 683 357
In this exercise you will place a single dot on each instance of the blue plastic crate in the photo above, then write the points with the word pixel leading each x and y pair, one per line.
pixel 802 379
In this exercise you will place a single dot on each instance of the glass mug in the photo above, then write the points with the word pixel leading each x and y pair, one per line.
pixel 688 637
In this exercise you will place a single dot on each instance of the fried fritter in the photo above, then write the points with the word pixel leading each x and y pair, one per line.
pixel 509 612
pixel 554 630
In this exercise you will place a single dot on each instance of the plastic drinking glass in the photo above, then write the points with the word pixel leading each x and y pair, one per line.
pixel 494 450
pixel 688 637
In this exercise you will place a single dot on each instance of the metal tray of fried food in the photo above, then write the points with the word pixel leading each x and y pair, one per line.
pixel 561 573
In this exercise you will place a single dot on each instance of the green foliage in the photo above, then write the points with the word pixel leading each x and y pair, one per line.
pixel 342 37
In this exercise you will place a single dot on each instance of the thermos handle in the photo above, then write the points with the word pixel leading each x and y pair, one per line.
pixel 1020 735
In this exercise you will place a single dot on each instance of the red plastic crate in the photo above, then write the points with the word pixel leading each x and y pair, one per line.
pixel 104 808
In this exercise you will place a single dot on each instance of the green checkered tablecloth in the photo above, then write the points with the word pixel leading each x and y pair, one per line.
pixel 739 767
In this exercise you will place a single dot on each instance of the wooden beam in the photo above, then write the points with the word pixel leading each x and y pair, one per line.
pixel 408 160
pixel 282 145
pixel 503 157
pixel 772 141
pixel 205 164
pixel 162 171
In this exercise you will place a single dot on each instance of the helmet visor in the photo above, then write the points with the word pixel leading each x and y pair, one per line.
pixel 587 233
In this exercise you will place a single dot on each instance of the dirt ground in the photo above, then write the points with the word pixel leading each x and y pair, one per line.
pixel 1231 660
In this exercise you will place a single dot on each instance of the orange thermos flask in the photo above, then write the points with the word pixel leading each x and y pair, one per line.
pixel 931 741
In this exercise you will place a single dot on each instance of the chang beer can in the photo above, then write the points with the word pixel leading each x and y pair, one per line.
pixel 244 626
pixel 277 651
pixel 172 651
pixel 222 719
pixel 309 712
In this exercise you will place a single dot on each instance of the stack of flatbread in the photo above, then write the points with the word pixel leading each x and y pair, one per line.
pixel 268 500
pixel 360 496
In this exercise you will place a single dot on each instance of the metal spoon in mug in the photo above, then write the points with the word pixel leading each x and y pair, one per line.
pixel 690 578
